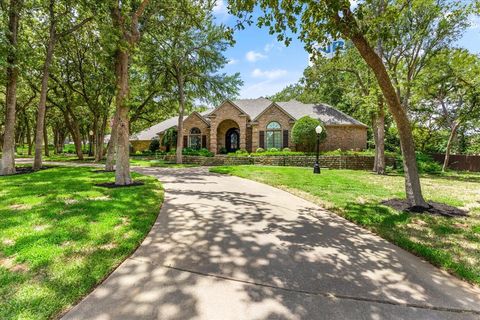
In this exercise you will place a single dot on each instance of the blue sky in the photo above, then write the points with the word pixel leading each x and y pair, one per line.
pixel 267 66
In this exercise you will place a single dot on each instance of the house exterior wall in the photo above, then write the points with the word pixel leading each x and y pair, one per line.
pixel 194 121
pixel 344 138
pixel 140 145
pixel 227 115
pixel 226 111
pixel 272 114
pixel 222 131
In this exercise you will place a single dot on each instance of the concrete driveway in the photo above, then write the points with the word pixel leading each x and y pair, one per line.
pixel 228 248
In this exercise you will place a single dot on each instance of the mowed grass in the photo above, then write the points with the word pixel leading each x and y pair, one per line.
pixel 150 161
pixel 60 236
pixel 450 243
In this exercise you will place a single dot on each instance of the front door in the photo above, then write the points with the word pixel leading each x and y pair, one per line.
pixel 232 140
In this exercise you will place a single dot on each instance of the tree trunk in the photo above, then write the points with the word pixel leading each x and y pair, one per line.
pixel 28 134
pixel 375 139
pixel 7 165
pixel 412 180
pixel 45 139
pixel 99 140
pixel 74 130
pixel 181 111
pixel 122 163
pixel 453 133
pixel 37 164
pixel 111 147
pixel 55 140
pixel 380 144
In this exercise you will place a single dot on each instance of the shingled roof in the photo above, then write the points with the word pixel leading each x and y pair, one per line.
pixel 153 131
pixel 327 114
pixel 254 107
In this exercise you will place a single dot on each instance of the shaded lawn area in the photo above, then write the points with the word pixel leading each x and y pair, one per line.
pixel 134 161
pixel 60 236
pixel 450 243
pixel 152 162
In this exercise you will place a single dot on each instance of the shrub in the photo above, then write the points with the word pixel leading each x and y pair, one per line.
pixel 241 152
pixel 425 164
pixel 138 153
pixel 154 145
pixel 223 150
pixel 286 150
pixel 260 150
pixel 304 135
pixel 69 148
pixel 194 152
pixel 273 150
pixel 169 139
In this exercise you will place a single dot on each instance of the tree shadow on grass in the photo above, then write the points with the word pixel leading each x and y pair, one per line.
pixel 70 237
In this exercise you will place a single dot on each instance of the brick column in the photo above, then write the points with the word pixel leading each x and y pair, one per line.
pixel 243 133
pixel 213 136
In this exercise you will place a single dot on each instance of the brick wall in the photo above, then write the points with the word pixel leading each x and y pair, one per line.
pixel 140 145
pixel 230 113
pixel 331 162
pixel 345 138
pixel 271 114
pixel 194 121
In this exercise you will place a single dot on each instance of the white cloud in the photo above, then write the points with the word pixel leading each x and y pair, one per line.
pixel 268 83
pixel 273 45
pixel 220 7
pixel 268 47
pixel 474 21
pixel 269 74
pixel 220 10
pixel 254 56
pixel 232 62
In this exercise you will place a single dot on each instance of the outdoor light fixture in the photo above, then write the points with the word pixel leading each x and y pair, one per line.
pixel 316 167
pixel 90 152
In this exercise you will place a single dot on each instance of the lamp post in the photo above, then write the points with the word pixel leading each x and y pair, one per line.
pixel 90 153
pixel 316 167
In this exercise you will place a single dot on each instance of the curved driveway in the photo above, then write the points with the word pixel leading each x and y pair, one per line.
pixel 228 248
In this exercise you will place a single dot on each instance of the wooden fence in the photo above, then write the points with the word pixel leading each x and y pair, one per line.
pixel 460 162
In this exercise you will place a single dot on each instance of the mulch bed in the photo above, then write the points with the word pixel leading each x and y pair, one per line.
pixel 435 208
pixel 102 171
pixel 26 170
pixel 112 185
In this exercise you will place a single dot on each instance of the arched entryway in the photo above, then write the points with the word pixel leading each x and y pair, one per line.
pixel 228 136
pixel 232 140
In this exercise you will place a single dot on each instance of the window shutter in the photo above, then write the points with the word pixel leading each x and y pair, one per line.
pixel 261 138
pixel 185 141
pixel 285 138
pixel 204 141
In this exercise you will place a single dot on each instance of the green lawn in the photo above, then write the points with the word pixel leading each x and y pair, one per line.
pixel 60 235
pixel 149 162
pixel 450 243
pixel 134 161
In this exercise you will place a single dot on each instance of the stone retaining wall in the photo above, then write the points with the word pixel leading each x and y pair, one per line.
pixel 331 162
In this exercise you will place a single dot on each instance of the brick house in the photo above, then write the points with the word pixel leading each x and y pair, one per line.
pixel 249 124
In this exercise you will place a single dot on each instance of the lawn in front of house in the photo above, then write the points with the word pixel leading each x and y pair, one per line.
pixel 144 161
pixel 60 236
pixel 450 243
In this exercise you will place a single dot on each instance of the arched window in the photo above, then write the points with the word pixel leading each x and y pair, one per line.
pixel 273 138
pixel 195 138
